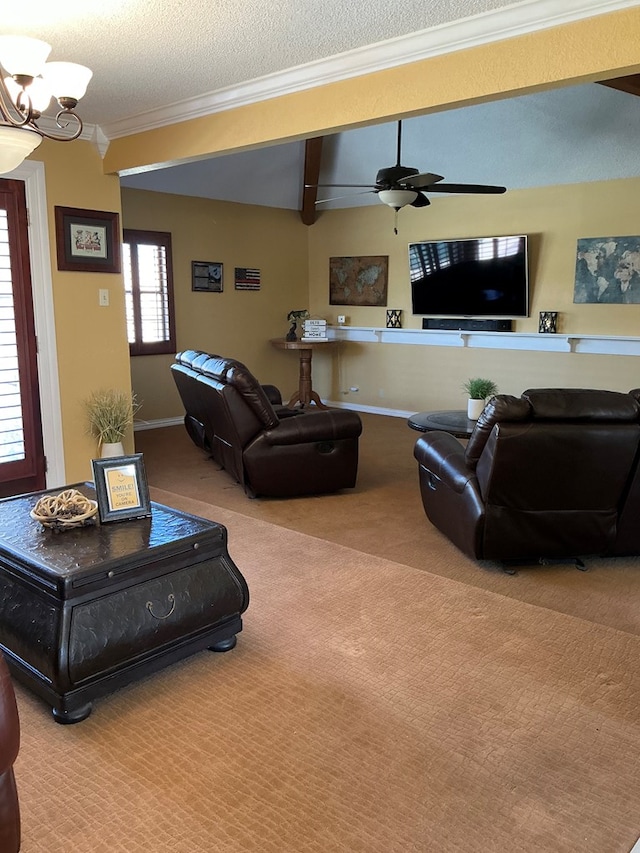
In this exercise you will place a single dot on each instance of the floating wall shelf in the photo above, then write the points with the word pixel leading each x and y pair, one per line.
pixel 595 344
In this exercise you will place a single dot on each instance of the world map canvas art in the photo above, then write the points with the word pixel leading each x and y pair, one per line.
pixel 358 281
pixel 608 270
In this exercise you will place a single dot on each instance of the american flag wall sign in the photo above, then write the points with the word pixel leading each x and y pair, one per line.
pixel 247 279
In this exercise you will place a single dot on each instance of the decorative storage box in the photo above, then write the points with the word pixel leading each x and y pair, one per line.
pixel 88 610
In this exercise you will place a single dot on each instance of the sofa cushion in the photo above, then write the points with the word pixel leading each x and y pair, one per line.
pixel 232 372
pixel 582 404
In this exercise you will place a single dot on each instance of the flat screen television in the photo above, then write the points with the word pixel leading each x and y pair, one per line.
pixel 476 277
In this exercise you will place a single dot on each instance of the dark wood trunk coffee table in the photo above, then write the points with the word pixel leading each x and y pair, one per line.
pixel 88 610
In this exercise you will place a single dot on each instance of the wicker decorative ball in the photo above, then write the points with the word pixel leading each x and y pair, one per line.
pixel 64 511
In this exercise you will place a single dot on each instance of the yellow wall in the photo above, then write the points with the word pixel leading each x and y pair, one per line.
pixel 396 376
pixel 389 376
pixel 91 341
pixel 553 217
pixel 418 377
pixel 236 324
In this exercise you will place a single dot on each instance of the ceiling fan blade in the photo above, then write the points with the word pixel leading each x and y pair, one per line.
pixel 322 186
pixel 419 182
pixel 338 197
pixel 464 188
pixel 420 201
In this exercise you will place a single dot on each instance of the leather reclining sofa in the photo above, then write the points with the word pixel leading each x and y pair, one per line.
pixel 9 746
pixel 270 449
pixel 551 474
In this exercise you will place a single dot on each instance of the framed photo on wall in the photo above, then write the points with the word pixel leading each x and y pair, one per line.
pixel 87 240
pixel 121 488
pixel 206 276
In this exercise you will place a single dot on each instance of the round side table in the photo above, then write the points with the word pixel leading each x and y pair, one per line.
pixel 305 395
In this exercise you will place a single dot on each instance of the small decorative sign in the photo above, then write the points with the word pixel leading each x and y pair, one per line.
pixel 548 322
pixel 121 488
pixel 394 318
pixel 247 279
pixel 207 276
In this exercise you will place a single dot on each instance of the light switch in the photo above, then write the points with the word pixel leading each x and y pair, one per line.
pixel 103 297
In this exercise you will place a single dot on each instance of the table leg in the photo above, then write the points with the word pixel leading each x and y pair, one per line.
pixel 305 395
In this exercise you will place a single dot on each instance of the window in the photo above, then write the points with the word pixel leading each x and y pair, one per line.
pixel 148 282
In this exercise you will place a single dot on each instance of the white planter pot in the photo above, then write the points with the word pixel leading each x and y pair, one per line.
pixel 114 448
pixel 474 409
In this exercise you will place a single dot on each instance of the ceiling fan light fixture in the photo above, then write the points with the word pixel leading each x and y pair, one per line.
pixel 397 198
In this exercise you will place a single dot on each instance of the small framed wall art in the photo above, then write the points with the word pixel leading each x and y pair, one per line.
pixel 206 276
pixel 87 240
pixel 121 488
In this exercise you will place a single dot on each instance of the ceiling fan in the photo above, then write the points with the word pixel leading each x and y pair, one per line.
pixel 400 185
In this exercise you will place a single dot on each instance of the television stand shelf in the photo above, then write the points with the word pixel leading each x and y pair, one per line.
pixel 533 341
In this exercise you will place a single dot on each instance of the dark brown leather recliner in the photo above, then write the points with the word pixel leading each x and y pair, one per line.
pixel 9 746
pixel 269 449
pixel 545 475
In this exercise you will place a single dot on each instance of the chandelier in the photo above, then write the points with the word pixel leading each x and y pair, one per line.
pixel 27 85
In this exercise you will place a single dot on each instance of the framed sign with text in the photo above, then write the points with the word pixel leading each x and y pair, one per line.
pixel 121 488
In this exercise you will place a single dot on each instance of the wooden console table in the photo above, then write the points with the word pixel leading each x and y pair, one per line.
pixel 305 395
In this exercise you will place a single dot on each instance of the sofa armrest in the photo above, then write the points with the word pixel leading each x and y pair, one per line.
pixel 315 426
pixel 444 457
pixel 273 394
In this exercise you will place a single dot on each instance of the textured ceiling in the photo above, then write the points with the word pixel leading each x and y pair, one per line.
pixel 147 54
pixel 150 53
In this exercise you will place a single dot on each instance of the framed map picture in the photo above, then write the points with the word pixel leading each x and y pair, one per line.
pixel 608 270
pixel 359 280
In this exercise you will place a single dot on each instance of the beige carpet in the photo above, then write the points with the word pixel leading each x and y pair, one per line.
pixel 383 516
pixel 369 707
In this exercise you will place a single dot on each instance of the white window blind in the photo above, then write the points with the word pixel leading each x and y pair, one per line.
pixel 148 292
pixel 12 446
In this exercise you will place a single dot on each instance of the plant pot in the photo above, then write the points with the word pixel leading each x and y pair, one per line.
pixel 111 448
pixel 474 409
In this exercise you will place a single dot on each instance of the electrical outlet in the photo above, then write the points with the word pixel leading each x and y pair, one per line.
pixel 354 388
pixel 103 297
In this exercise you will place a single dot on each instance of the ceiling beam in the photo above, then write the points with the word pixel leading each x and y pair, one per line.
pixel 630 84
pixel 312 155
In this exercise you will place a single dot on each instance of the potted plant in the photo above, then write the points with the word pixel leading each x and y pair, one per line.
pixel 109 414
pixel 478 390
pixel 295 317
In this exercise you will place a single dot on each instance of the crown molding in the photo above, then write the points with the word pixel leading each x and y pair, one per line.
pixel 488 27
pixel 90 132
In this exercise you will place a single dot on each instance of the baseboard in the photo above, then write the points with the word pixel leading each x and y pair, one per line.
pixel 374 410
pixel 139 426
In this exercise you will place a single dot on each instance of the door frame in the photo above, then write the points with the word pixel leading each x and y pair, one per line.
pixel 31 172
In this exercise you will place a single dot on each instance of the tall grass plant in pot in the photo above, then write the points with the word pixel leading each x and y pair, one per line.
pixel 478 391
pixel 109 414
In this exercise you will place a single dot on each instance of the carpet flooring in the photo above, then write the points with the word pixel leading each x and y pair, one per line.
pixel 383 516
pixel 386 694
pixel 369 707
